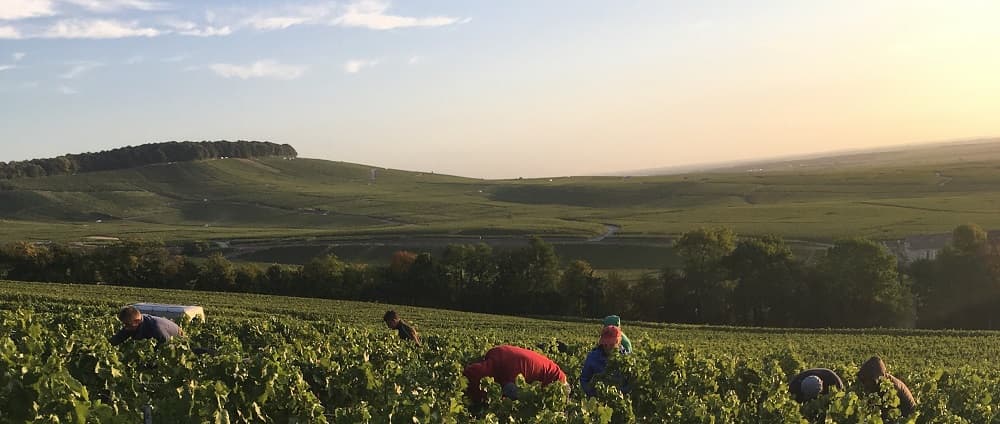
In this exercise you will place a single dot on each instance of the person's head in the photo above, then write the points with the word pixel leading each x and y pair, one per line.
pixel 614 320
pixel 871 372
pixel 130 318
pixel 475 372
pixel 611 338
pixel 391 319
pixel 811 387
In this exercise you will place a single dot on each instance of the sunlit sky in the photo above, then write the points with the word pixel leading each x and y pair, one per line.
pixel 499 88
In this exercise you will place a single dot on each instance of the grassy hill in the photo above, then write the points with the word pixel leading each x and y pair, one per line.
pixel 927 190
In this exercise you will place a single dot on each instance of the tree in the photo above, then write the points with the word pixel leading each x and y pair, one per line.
pixel 767 282
pixel 217 273
pixel 960 288
pixel 323 277
pixel 703 290
pixel 968 238
pixel 857 284
pixel 582 291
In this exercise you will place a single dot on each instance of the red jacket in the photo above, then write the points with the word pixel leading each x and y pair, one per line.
pixel 505 362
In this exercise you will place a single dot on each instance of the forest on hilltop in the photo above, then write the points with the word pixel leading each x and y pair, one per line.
pixel 146 154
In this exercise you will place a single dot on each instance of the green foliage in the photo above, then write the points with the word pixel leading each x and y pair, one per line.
pixel 300 360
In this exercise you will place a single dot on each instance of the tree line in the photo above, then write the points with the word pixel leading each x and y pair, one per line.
pixel 721 279
pixel 146 154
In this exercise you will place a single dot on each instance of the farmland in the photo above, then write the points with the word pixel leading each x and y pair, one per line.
pixel 333 360
pixel 302 199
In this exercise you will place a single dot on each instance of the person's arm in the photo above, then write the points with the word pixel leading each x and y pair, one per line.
pixel 906 402
pixel 119 337
pixel 626 344
pixel 586 375
pixel 831 378
pixel 795 386
pixel 415 336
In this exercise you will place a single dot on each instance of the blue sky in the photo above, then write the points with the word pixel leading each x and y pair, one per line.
pixel 498 89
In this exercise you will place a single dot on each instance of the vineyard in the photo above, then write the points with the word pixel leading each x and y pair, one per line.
pixel 283 359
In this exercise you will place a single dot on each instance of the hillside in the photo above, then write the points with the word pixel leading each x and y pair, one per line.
pixel 272 197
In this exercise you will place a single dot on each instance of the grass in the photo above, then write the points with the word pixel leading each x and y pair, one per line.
pixel 275 198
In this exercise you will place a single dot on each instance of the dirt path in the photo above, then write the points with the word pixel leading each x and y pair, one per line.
pixel 610 230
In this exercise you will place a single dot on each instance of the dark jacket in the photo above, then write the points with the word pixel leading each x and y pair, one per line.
pixel 158 328
pixel 596 362
pixel 504 363
pixel 872 370
pixel 828 377
pixel 407 333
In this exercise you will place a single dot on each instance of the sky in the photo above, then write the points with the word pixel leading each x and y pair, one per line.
pixel 499 89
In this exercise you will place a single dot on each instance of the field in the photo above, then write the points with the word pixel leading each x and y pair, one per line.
pixel 307 360
pixel 875 195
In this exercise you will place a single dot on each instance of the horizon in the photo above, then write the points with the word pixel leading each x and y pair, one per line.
pixel 490 91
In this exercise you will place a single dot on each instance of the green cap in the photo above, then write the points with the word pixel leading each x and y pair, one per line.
pixel 614 320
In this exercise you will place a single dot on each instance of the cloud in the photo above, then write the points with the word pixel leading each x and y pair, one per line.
pixel 191 28
pixel 23 9
pixel 67 90
pixel 133 60
pixel 259 69
pixel 289 17
pixel 17 56
pixel 208 31
pixel 6 67
pixel 371 14
pixel 104 6
pixel 415 60
pixel 79 68
pixel 9 32
pixel 98 29
pixel 356 65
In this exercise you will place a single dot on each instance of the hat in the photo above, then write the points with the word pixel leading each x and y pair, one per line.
pixel 811 386
pixel 611 336
pixel 614 320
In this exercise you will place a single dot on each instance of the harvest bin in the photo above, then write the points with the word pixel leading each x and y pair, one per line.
pixel 171 311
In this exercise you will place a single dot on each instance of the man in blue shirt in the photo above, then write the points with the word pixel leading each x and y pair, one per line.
pixel 137 326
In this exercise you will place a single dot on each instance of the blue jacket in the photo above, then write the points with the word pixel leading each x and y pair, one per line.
pixel 158 328
pixel 595 363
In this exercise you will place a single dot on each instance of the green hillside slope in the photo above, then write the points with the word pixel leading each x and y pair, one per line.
pixel 273 197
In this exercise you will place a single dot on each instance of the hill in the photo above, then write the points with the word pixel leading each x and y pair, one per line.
pixel 301 201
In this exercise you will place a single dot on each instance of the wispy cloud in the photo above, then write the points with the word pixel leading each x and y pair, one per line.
pixel 289 16
pixel 259 69
pixel 98 29
pixel 193 29
pixel 104 6
pixel 6 67
pixel 356 65
pixel 17 56
pixel 23 9
pixel 79 68
pixel 134 60
pixel 9 32
pixel 73 19
pixel 67 90
pixel 372 14
pixel 415 60
pixel 208 31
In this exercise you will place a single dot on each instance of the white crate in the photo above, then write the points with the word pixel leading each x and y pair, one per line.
pixel 171 311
